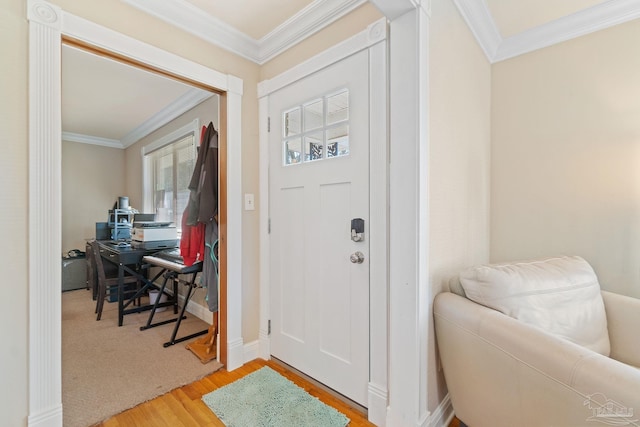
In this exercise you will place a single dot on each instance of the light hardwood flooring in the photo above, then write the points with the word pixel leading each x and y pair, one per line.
pixel 184 407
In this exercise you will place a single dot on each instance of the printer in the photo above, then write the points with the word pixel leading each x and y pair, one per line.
pixel 152 231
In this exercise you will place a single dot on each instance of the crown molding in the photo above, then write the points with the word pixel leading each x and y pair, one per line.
pixel 601 16
pixel 180 106
pixel 480 21
pixel 191 19
pixel 93 140
pixel 305 23
pixel 587 21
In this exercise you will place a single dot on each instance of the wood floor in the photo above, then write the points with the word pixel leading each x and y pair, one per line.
pixel 184 407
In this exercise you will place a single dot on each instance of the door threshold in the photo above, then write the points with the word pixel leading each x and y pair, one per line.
pixel 355 405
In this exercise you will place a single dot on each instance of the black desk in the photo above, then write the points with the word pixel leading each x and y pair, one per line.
pixel 128 259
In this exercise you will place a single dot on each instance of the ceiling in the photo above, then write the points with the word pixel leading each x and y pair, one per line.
pixel 110 103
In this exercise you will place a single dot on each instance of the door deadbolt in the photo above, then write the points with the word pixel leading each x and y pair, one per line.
pixel 357 229
pixel 357 257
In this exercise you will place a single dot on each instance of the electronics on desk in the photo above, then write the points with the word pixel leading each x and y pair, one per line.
pixel 149 233
pixel 103 232
pixel 155 244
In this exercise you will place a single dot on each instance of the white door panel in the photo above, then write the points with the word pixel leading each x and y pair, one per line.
pixel 319 298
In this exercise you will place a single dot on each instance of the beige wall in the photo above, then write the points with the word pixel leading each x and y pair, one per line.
pixel 92 179
pixel 14 210
pixel 459 105
pixel 566 155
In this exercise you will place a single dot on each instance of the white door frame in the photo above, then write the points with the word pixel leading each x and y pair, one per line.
pixel 374 40
pixel 48 23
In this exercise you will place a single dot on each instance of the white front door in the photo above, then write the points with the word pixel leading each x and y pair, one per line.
pixel 319 183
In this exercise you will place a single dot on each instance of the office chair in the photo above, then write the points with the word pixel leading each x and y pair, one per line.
pixel 107 286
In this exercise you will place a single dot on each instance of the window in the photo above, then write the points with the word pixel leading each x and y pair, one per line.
pixel 168 167
pixel 316 130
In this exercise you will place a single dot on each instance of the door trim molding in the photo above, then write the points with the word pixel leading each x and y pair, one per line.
pixel 373 39
pixel 48 24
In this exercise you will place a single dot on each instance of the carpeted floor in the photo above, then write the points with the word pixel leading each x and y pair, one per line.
pixel 107 369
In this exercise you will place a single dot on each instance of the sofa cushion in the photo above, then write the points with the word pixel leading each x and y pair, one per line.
pixel 560 295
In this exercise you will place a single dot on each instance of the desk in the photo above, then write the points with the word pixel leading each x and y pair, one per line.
pixel 128 259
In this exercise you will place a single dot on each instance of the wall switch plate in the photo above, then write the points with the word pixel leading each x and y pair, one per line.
pixel 249 202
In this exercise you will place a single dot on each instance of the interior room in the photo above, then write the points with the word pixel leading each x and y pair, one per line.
pixel 515 125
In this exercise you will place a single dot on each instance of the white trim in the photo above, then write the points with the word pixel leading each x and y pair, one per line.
pixel 587 21
pixel 373 39
pixel 379 221
pixel 47 23
pixel 443 414
pixel 193 20
pixel 375 33
pixel 263 198
pixel 409 292
pixel 184 15
pixel 251 351
pixel 480 21
pixel 581 23
pixel 93 140
pixel 234 223
pixel 393 9
pixel 180 106
pixel 303 24
pixel 193 127
pixel 45 222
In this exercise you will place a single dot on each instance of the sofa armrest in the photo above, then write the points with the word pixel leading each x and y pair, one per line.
pixel 502 372
pixel 623 317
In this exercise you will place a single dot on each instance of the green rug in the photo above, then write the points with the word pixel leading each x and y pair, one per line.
pixel 265 398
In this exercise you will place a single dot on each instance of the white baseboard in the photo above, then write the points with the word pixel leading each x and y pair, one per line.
pixel 442 415
pixel 251 351
pixel 200 311
pixel 49 417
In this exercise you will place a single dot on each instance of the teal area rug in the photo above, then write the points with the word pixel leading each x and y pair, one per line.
pixel 265 398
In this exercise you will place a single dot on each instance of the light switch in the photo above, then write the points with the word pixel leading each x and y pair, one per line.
pixel 249 203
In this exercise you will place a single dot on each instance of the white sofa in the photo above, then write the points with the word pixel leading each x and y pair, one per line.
pixel 503 369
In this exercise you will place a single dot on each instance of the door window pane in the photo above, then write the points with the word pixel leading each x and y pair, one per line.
pixel 338 107
pixel 292 123
pixel 313 115
pixel 338 141
pixel 293 151
pixel 316 130
pixel 314 146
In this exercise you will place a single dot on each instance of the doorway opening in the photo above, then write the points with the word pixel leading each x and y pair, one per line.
pixel 48 26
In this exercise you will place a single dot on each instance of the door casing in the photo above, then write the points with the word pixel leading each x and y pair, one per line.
pixel 48 25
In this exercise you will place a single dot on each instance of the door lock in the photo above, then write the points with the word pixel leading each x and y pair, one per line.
pixel 357 229
pixel 357 257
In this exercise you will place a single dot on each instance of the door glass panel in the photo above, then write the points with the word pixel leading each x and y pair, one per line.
pixel 338 107
pixel 316 130
pixel 338 141
pixel 292 122
pixel 313 115
pixel 293 151
pixel 314 147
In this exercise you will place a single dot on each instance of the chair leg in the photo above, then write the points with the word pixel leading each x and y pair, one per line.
pixel 100 303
